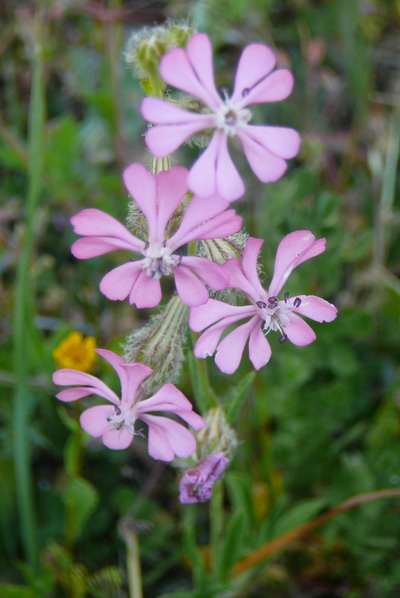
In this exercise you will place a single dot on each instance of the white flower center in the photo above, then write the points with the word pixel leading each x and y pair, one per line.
pixel 159 260
pixel 123 417
pixel 230 116
pixel 276 314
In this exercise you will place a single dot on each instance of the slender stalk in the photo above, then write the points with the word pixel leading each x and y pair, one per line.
pixel 23 312
pixel 133 563
pixel 216 526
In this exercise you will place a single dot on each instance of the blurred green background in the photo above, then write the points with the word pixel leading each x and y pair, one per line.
pixel 319 423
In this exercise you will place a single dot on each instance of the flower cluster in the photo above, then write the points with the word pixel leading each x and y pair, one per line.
pixel 179 210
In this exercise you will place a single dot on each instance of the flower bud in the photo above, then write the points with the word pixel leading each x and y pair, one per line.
pixel 221 250
pixel 144 50
pixel 196 484
pixel 160 344
pixel 217 436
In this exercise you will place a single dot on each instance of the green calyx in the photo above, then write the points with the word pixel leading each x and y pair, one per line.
pixel 145 49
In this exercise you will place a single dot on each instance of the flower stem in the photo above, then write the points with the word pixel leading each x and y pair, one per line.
pixel 216 526
pixel 133 563
pixel 23 312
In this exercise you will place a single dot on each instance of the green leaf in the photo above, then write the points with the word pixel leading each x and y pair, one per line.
pixel 7 591
pixel 232 546
pixel 239 396
pixel 298 515
pixel 80 498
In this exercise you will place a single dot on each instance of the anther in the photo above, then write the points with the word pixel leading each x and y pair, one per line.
pixel 286 297
pixel 283 338
pixel 146 245
pixel 261 304
pixel 245 92
pixel 164 244
pixel 272 301
pixel 117 411
pixel 297 302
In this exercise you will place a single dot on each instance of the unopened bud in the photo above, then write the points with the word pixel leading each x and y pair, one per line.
pixel 160 344
pixel 197 483
pixel 144 50
pixel 217 436
pixel 221 250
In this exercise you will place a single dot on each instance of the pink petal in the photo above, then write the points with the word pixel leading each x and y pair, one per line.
pixel 214 172
pixel 141 185
pixel 162 112
pixel 115 361
pixel 167 438
pixel 68 377
pixel 229 184
pixel 237 280
pixel 230 349
pixel 299 332
pixel 203 174
pixel 146 291
pixel 190 289
pixel 135 374
pixel 212 274
pixel 169 398
pixel 94 420
pixel 259 347
pixel 95 246
pixel 265 165
pixel 163 140
pixel 212 311
pixel 171 189
pixel 315 308
pixel 294 249
pixel 73 394
pixel 117 439
pixel 208 341
pixel 131 375
pixel 96 223
pixel 274 88
pixel 197 221
pixel 177 69
pixel 281 141
pixel 256 62
pixel 249 263
pixel 199 51
pixel 118 283
pixel 222 225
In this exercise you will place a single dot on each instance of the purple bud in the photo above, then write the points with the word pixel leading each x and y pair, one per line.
pixel 196 484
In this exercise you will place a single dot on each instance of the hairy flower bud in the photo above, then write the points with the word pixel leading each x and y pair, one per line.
pixel 160 343
pixel 144 50
pixel 217 436
pixel 221 250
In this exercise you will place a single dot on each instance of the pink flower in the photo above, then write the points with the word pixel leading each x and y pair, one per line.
pixel 265 312
pixel 266 147
pixel 116 423
pixel 196 484
pixel 158 197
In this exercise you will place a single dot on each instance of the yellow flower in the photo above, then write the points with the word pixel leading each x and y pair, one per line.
pixel 76 352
